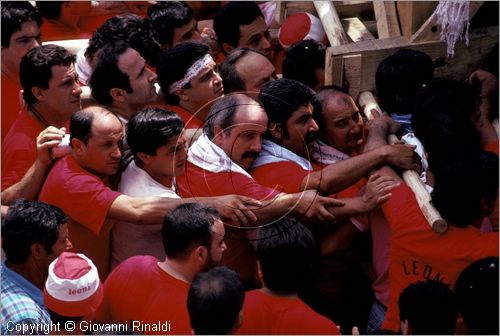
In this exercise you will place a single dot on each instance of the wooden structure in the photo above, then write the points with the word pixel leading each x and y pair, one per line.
pixel 363 33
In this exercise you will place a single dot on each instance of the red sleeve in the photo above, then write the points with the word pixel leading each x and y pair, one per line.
pixel 281 175
pixel 15 165
pixel 492 147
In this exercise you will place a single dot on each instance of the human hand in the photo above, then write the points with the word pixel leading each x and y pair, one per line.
pixel 48 139
pixel 403 156
pixel 237 209
pixel 312 207
pixel 377 190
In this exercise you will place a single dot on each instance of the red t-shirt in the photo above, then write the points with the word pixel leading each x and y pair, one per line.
pixel 86 200
pixel 54 31
pixel 198 182
pixel 11 104
pixel 19 148
pixel 272 175
pixel 419 253
pixel 190 121
pixel 269 315
pixel 139 290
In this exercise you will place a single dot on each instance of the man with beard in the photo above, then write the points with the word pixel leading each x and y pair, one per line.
pixel 291 138
pixel 145 289
pixel 190 81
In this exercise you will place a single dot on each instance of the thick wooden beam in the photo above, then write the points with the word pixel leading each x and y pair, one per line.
pixel 331 22
pixel 413 14
pixel 356 30
pixel 280 14
pixel 387 19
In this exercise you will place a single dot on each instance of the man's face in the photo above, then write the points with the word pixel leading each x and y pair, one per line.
pixel 169 161
pixel 242 142
pixel 256 36
pixel 21 42
pixel 62 97
pixel 188 32
pixel 302 131
pixel 218 245
pixel 205 87
pixel 342 123
pixel 103 151
pixel 141 79
pixel 255 70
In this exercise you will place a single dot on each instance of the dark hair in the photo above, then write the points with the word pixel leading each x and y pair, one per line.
pixel 231 79
pixel 36 67
pixel 166 16
pixel 175 62
pixel 186 227
pixel 130 28
pixel 50 10
pixel 14 14
pixel 441 117
pixel 221 114
pixel 399 76
pixel 80 125
pixel 151 128
pixel 282 97
pixel 285 250
pixel 27 223
pixel 301 61
pixel 430 308
pixel 230 17
pixel 214 301
pixel 462 182
pixel 106 74
pixel 477 295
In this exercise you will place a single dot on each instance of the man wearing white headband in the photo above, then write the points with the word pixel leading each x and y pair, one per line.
pixel 189 79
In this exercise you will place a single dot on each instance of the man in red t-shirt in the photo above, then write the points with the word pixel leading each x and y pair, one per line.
pixel 144 291
pixel 136 87
pixel 285 253
pixel 79 185
pixel 20 33
pixel 189 80
pixel 465 190
pixel 52 95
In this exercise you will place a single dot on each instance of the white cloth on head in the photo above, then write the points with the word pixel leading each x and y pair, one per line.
pixel 323 153
pixel 191 73
pixel 83 67
pixel 208 156
pixel 272 152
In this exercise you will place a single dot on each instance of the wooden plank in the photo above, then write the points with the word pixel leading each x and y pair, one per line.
pixel 387 19
pixel 412 14
pixel 329 67
pixel 331 22
pixel 482 41
pixel 362 9
pixel 356 30
pixel 431 31
pixel 338 71
pixel 352 74
pixel 280 14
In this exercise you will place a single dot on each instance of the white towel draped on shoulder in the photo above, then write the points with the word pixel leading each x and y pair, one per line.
pixel 325 154
pixel 272 152
pixel 207 155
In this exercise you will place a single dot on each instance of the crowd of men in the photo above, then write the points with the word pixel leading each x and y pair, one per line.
pixel 198 190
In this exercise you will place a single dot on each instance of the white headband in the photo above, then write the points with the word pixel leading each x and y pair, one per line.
pixel 192 72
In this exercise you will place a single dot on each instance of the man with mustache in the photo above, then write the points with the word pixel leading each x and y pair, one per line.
pixel 218 164
pixel 52 94
pixel 190 81
pixel 289 147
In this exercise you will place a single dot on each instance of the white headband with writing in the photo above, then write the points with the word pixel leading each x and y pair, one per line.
pixel 192 72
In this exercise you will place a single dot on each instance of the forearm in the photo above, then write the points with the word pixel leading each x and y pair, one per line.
pixel 29 186
pixel 340 175
pixel 142 210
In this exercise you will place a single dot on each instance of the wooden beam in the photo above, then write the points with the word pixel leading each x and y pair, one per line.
pixel 431 31
pixel 387 19
pixel 482 41
pixel 356 30
pixel 352 74
pixel 280 14
pixel 331 22
pixel 412 14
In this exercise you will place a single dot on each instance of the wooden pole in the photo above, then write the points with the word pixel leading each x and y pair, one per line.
pixel 437 223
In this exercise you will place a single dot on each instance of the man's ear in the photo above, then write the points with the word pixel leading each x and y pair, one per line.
pixel 227 48
pixel 38 93
pixel 275 130
pixel 78 146
pixel 259 272
pixel 38 251
pixel 182 94
pixel 117 94
pixel 201 254
pixel 143 157
pixel 218 131
pixel 405 327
